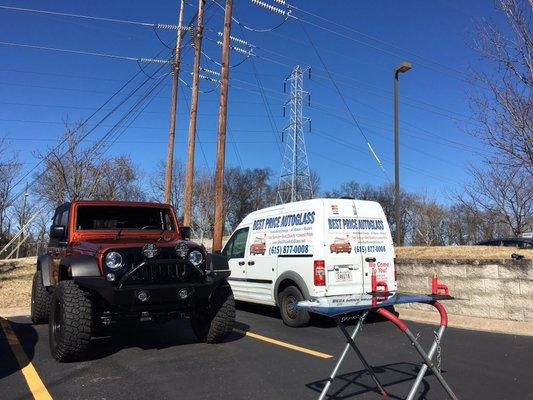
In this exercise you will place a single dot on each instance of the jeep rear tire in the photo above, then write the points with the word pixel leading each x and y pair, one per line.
pixel 40 300
pixel 291 315
pixel 212 323
pixel 70 325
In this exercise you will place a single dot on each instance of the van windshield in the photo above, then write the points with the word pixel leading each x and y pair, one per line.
pixel 121 217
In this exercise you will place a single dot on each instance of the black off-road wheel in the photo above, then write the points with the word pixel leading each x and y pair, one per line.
pixel 70 325
pixel 291 315
pixel 213 322
pixel 40 300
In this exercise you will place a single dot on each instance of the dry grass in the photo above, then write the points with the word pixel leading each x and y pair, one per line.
pixel 15 282
pixel 462 252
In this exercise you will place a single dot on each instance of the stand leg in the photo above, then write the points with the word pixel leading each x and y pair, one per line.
pixel 343 355
pixel 424 367
pixel 360 355
pixel 430 364
pixel 427 360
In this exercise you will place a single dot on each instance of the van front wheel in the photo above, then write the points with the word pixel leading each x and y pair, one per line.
pixel 291 315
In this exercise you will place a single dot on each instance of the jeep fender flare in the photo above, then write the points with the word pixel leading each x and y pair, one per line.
pixel 296 278
pixel 79 265
pixel 44 264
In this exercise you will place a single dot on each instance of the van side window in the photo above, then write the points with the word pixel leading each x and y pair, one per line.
pixel 236 246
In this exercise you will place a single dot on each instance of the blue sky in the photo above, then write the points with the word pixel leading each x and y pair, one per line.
pixel 40 89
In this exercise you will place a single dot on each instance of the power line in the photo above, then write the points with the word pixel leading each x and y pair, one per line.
pixel 89 17
pixel 268 110
pixel 249 28
pixel 464 79
pixel 346 105
pixel 346 77
pixel 87 53
pixel 379 40
pixel 83 124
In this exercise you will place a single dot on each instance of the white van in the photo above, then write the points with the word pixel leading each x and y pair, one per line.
pixel 321 247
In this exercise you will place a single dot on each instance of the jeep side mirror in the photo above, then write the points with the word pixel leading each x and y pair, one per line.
pixel 57 231
pixel 185 232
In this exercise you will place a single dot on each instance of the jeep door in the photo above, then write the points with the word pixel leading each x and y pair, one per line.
pixel 236 251
pixel 57 246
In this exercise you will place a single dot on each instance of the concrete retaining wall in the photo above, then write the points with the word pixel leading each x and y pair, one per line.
pixel 496 289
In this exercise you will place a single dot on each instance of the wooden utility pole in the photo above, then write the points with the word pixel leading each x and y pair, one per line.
pixel 221 142
pixel 189 175
pixel 173 106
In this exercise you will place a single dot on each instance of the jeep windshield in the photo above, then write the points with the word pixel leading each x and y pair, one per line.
pixel 120 217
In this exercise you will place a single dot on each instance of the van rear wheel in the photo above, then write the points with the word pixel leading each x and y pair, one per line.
pixel 291 315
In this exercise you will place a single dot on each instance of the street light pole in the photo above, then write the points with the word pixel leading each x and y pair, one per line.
pixel 403 67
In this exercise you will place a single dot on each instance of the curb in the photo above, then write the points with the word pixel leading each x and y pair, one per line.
pixel 522 328
pixel 14 312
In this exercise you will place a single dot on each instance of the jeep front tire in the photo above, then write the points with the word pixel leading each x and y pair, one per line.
pixel 40 300
pixel 70 325
pixel 213 322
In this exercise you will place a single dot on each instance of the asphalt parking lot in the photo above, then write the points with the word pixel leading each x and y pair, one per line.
pixel 270 361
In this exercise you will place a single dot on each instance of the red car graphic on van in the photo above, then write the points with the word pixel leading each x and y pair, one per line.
pixel 258 247
pixel 340 246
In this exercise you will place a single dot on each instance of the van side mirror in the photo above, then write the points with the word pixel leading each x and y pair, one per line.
pixel 185 232
pixel 57 231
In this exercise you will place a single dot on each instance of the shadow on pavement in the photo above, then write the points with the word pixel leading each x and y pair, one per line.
pixel 352 384
pixel 149 336
pixel 27 337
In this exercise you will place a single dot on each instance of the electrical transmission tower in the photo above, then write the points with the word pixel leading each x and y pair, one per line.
pixel 295 178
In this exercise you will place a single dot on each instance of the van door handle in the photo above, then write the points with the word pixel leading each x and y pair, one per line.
pixel 241 262
pixel 251 262
pixel 370 259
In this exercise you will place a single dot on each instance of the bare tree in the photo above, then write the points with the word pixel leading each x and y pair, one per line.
pixel 246 191
pixel 203 217
pixel 504 105
pixel 75 172
pixel 428 222
pixel 177 185
pixel 383 195
pixel 9 169
pixel 315 183
pixel 506 193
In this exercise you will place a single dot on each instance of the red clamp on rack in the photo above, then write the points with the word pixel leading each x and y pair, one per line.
pixel 437 288
pixel 376 291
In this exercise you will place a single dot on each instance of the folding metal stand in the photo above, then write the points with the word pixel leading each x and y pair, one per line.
pixel 426 357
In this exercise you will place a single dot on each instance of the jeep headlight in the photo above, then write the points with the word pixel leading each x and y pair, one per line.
pixel 196 258
pixel 113 260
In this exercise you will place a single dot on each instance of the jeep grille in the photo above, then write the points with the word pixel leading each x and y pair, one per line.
pixel 157 273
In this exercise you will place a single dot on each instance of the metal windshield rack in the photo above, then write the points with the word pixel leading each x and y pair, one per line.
pixel 338 306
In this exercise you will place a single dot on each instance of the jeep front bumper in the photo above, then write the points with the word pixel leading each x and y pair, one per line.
pixel 160 296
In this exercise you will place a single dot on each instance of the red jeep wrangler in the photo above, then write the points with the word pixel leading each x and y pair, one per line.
pixel 108 261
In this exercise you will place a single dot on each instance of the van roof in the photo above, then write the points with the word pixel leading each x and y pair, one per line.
pixel 296 205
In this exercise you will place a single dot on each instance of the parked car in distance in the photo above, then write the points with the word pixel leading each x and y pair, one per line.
pixel 521 243
pixel 340 246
